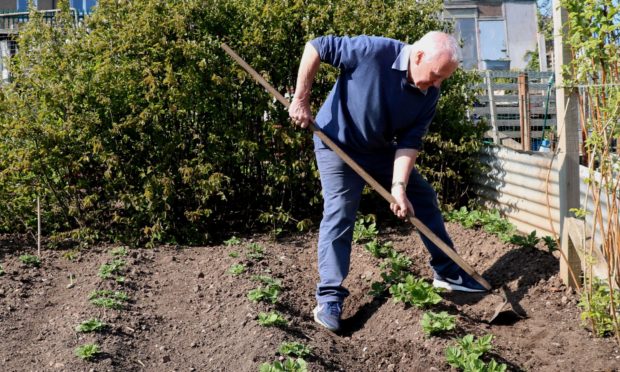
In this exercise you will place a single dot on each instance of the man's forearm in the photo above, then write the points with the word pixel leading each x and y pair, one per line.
pixel 308 67
pixel 404 161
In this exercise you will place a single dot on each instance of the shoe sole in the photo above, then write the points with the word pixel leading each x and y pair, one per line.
pixel 316 319
pixel 454 287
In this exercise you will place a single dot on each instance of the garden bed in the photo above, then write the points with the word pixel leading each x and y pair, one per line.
pixel 186 312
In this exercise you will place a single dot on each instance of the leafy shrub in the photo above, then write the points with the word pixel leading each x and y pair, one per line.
pixel 528 241
pixel 268 294
pixel 378 249
pixel 365 229
pixel 597 307
pixel 88 351
pixel 434 323
pixel 294 348
pixel 30 260
pixel 466 355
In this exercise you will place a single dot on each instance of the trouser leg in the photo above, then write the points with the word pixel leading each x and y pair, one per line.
pixel 342 189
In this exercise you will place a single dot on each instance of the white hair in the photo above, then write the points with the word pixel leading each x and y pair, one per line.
pixel 435 43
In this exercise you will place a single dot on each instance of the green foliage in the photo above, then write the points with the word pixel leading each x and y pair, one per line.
pixel 91 325
pixel 466 355
pixel 232 241
pixel 2 270
pixel 395 268
pixel 551 243
pixel 435 323
pixel 490 221
pixel 136 127
pixel 415 291
pixel 255 252
pixel 112 270
pixel 268 294
pixel 378 249
pixel 597 304
pixel 289 365
pixel 236 269
pixel 233 254
pixel 272 319
pixel 294 349
pixel 108 299
pixel 30 260
pixel 365 229
pixel 71 254
pixel 88 351
pixel 527 241
pixel 119 251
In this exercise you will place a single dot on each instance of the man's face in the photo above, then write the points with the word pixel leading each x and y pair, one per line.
pixel 426 73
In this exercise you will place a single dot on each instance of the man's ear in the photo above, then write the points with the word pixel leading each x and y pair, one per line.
pixel 419 55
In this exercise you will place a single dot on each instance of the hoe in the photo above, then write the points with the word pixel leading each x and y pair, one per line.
pixel 503 312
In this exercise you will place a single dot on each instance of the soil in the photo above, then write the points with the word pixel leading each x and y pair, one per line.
pixel 187 313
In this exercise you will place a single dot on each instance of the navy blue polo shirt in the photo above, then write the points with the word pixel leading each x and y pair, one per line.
pixel 372 106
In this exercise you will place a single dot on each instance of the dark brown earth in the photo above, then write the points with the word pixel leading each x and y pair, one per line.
pixel 186 313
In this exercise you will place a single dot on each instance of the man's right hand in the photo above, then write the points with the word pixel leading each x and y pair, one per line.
pixel 300 113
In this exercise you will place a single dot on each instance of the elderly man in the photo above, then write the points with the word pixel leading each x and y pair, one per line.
pixel 378 111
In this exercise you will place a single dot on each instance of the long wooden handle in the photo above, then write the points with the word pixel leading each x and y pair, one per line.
pixel 361 172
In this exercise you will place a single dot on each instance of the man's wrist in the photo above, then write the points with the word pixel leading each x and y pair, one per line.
pixel 399 184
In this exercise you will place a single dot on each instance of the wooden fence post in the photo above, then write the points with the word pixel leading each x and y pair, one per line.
pixel 524 112
pixel 492 113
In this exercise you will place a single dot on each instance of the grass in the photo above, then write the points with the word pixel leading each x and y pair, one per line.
pixel 91 325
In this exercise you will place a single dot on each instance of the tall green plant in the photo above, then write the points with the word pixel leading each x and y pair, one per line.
pixel 594 39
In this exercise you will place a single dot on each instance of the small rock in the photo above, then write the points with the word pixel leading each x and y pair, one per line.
pixel 391 367
pixel 201 275
pixel 165 359
pixel 564 300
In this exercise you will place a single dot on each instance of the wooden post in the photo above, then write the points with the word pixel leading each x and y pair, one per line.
pixel 573 238
pixel 524 112
pixel 568 135
pixel 492 108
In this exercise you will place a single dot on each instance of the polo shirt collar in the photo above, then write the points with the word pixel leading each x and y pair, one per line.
pixel 402 63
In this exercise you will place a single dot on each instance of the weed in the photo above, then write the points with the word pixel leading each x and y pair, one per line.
pixel 465 355
pixel 268 294
pixel 30 260
pixel 233 254
pixel 91 325
pixel 87 351
pixel 112 270
pixel 527 241
pixel 379 250
pixel 71 254
pixel 236 269
pixel 289 365
pixel 119 251
pixel 365 229
pixel 108 299
pixel 415 291
pixel 232 241
pixel 551 243
pixel 272 319
pixel 597 307
pixel 294 349
pixel 255 252
pixel 1 270
pixel 435 323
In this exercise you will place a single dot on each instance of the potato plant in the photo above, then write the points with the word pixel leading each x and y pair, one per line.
pixel 416 292
pixel 294 349
pixel 30 260
pixel 465 355
pixel 91 325
pixel 88 351
pixel 108 299
pixel 435 323
pixel 288 365
pixel 272 319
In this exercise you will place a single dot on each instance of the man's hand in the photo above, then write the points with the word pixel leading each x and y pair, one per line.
pixel 300 113
pixel 402 208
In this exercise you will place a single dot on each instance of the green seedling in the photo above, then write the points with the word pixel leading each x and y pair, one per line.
pixel 436 323
pixel 91 325
pixel 112 270
pixel 465 355
pixel 255 252
pixel 269 281
pixel 1 270
pixel 71 254
pixel 108 299
pixel 294 349
pixel 267 294
pixel 233 254
pixel 379 250
pixel 551 243
pixel 415 291
pixel 236 269
pixel 272 319
pixel 289 365
pixel 365 229
pixel 528 241
pixel 232 241
pixel 119 251
pixel 71 281
pixel 490 221
pixel 597 308
pixel 30 260
pixel 88 351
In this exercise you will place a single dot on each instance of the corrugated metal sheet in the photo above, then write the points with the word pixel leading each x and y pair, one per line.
pixel 523 185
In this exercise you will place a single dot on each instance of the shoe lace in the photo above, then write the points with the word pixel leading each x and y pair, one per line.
pixel 334 308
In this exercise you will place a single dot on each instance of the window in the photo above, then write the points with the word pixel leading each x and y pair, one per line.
pixel 466 32
pixel 22 5
pixel 83 6
pixel 492 40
